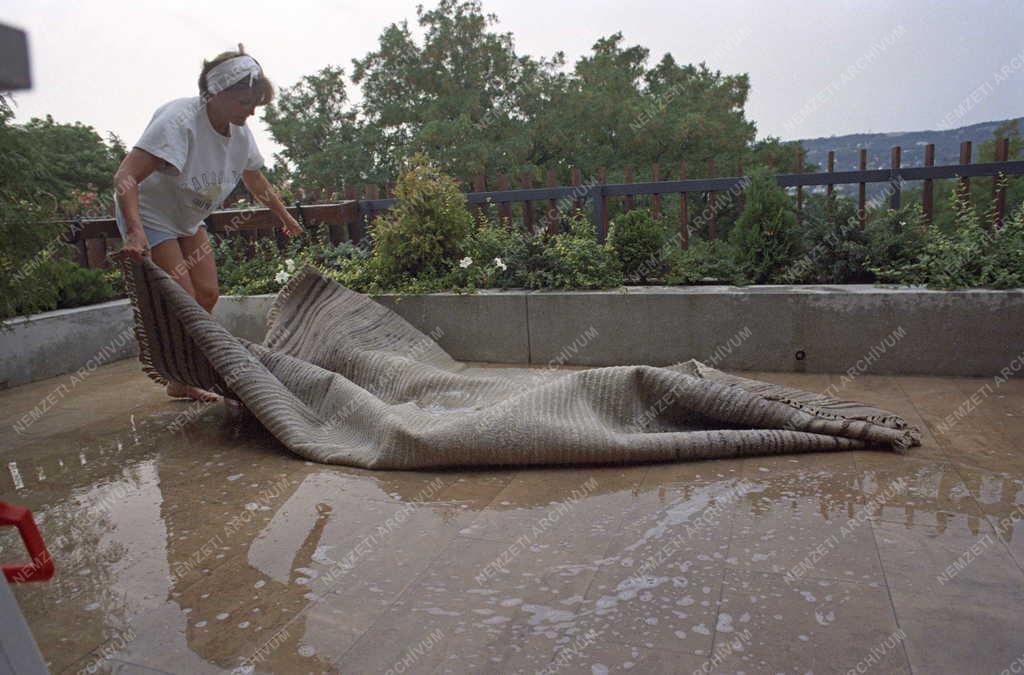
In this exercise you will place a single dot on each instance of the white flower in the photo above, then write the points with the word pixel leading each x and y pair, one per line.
pixel 282 276
pixel 500 264
pixel 289 265
pixel 465 262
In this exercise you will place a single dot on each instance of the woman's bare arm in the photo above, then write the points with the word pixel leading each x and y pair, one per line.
pixel 135 168
pixel 257 184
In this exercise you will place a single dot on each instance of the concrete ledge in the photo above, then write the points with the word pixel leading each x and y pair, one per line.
pixel 70 340
pixel 486 326
pixel 820 329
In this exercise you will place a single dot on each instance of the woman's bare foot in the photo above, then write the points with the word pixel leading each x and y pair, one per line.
pixel 179 390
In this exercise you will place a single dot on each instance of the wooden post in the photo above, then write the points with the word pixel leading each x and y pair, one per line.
pixel 895 156
pixel 684 215
pixel 799 188
pixel 965 158
pixel 552 217
pixel 371 192
pixel 504 208
pixel 999 191
pixel 576 181
pixel 739 195
pixel 96 252
pixel 480 185
pixel 928 188
pixel 526 182
pixel 630 178
pixel 602 178
pixel 77 237
pixel 355 229
pixel 709 198
pixel 862 164
pixel 831 169
pixel 599 216
pixel 656 198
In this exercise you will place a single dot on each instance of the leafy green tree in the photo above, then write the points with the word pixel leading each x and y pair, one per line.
pixel 42 165
pixel 324 144
pixel 462 95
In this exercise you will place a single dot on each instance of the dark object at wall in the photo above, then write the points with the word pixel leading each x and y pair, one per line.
pixel 14 68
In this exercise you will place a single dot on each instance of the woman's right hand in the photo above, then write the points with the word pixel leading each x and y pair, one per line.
pixel 136 245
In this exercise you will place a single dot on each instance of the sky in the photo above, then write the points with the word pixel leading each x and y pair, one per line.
pixel 816 68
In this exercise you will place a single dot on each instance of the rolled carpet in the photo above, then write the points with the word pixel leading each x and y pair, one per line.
pixel 341 379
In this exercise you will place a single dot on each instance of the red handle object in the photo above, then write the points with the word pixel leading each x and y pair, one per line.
pixel 41 567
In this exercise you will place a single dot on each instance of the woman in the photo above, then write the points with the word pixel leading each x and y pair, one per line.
pixel 188 160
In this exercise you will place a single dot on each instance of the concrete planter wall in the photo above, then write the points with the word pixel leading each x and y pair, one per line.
pixel 84 338
pixel 825 329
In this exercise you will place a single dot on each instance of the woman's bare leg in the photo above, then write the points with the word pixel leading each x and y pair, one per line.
pixel 202 268
pixel 168 255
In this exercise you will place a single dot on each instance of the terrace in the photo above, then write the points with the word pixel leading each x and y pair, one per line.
pixel 212 548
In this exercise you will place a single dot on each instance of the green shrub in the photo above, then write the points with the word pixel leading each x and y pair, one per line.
pixel 637 240
pixel 487 257
pixel 1006 267
pixel 704 262
pixel 833 244
pixel 575 259
pixel 422 237
pixel 261 266
pixel 971 255
pixel 77 286
pixel 530 260
pixel 765 235
pixel 895 241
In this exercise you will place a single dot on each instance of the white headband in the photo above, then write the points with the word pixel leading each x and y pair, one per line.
pixel 232 71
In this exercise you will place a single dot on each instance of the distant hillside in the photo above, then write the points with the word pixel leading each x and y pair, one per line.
pixel 879 146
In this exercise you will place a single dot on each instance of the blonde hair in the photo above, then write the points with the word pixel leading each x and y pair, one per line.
pixel 263 86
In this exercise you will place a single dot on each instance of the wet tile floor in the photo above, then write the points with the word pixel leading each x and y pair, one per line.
pixel 212 549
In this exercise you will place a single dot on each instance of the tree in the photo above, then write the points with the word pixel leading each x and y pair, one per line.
pixel 321 136
pixel 463 96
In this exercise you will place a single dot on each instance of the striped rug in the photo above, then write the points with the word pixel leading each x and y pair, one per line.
pixel 340 379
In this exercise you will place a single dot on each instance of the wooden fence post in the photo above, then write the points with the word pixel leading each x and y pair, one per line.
pixel 553 215
pixel 999 191
pixel 480 185
pixel 928 188
pixel 831 169
pixel 965 158
pixel 602 178
pixel 504 208
pixel 526 182
pixel 576 181
pixel 862 163
pixel 656 198
pixel 600 211
pixel 684 215
pixel 739 195
pixel 895 157
pixel 799 188
pixel 709 205
pixel 630 178
pixel 355 227
pixel 370 192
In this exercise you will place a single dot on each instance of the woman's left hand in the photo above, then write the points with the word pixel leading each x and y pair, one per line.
pixel 291 226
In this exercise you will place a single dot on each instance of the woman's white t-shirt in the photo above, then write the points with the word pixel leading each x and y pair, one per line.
pixel 205 166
